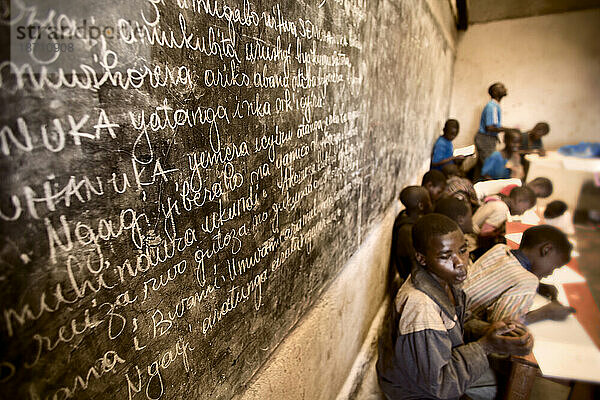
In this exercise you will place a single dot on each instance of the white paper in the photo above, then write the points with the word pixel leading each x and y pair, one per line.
pixel 563 275
pixel 465 151
pixel 567 361
pixel 514 237
pixel 563 349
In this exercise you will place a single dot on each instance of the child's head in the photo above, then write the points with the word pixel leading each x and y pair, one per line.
pixel 512 140
pixel 440 247
pixel 555 209
pixel 450 169
pixel 547 248
pixel 457 210
pixel 416 198
pixel 542 187
pixel 522 199
pixel 539 130
pixel 497 90
pixel 435 183
pixel 451 128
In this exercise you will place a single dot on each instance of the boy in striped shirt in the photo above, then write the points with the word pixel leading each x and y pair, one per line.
pixel 502 283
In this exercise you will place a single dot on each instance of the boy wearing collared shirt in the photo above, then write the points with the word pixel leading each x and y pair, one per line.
pixel 424 356
pixel 502 283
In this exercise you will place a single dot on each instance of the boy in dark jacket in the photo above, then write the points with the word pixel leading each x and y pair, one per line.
pixel 424 356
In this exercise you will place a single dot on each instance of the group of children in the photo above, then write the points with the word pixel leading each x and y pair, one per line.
pixel 465 296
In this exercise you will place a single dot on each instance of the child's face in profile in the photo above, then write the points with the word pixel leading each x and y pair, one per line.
pixel 466 222
pixel 447 257
pixel 520 207
pixel 434 191
pixel 545 263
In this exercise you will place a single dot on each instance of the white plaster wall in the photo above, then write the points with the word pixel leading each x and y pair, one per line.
pixel 550 65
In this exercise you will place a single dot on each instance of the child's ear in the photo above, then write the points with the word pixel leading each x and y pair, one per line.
pixel 421 206
pixel 420 258
pixel 546 249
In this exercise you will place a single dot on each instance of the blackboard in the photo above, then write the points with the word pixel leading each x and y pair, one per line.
pixel 181 179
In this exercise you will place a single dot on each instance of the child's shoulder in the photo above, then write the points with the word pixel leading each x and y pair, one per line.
pixel 418 311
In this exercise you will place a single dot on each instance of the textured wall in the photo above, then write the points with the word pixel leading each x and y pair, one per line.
pixel 550 65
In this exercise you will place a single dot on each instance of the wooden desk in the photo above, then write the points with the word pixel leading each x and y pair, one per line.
pixel 525 369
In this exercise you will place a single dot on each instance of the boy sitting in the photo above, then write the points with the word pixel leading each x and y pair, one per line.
pixel 542 187
pixel 459 187
pixel 531 142
pixel 435 183
pixel 557 214
pixel 459 211
pixel 424 356
pixel 505 163
pixel 502 283
pixel 489 220
pixel 443 150
pixel 416 202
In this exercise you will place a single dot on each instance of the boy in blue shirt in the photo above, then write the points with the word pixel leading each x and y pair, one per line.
pixel 490 123
pixel 443 150
pixel 507 162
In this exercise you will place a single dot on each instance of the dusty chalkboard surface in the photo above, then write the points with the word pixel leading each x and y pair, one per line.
pixel 181 179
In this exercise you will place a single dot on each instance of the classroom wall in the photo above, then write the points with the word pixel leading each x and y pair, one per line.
pixel 332 351
pixel 550 65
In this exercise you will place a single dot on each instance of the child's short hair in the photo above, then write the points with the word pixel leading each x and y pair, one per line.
pixel 452 208
pixel 555 209
pixel 435 177
pixel 493 87
pixel 411 195
pixel 451 122
pixel 450 169
pixel 428 226
pixel 541 234
pixel 542 127
pixel 523 193
pixel 544 186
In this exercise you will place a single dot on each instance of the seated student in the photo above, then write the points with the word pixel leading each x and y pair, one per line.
pixel 424 356
pixel 541 186
pixel 490 219
pixel 494 186
pixel 435 183
pixel 417 203
pixel 459 187
pixel 531 142
pixel 443 150
pixel 460 212
pixel 505 163
pixel 502 283
pixel 557 214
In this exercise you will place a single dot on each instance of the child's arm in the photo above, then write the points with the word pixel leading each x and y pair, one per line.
pixel 553 310
pixel 548 291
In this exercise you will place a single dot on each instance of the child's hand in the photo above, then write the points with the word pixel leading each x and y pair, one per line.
pixel 556 311
pixel 549 291
pixel 507 337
